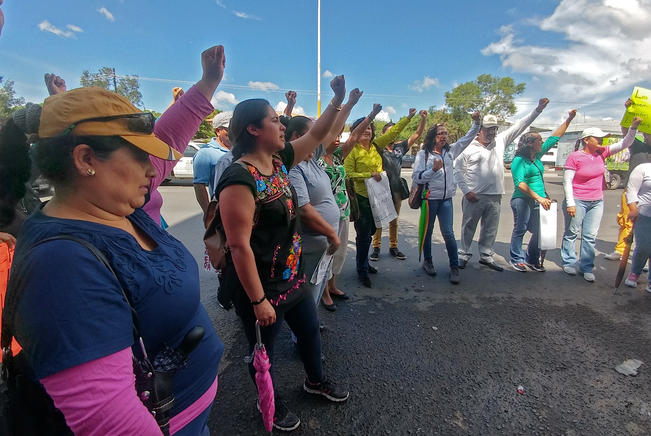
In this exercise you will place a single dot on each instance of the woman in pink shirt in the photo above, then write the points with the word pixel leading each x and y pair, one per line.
pixel 583 183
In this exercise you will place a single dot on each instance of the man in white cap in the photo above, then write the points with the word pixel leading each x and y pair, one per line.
pixel 479 172
pixel 204 161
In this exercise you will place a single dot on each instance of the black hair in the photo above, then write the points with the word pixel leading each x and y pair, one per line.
pixel 387 126
pixel 430 138
pixel 524 144
pixel 357 123
pixel 15 168
pixel 54 155
pixel 252 111
pixel 299 125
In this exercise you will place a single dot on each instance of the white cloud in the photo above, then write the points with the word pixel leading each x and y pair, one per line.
pixel 223 99
pixel 246 16
pixel 220 3
pixel 383 116
pixel 327 74
pixel 426 83
pixel 281 105
pixel 391 110
pixel 46 26
pixel 74 28
pixel 606 54
pixel 106 13
pixel 263 86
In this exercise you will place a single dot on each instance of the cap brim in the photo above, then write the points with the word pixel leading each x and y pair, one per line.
pixel 152 145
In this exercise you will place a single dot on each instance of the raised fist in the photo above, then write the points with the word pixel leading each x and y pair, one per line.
pixel 213 62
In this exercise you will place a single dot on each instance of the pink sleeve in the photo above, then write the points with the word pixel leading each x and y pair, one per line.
pixel 99 398
pixel 570 163
pixel 177 126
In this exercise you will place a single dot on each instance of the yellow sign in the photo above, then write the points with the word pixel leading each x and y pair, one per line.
pixel 641 107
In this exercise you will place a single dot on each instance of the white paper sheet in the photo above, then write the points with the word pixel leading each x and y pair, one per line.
pixel 547 239
pixel 379 196
pixel 322 268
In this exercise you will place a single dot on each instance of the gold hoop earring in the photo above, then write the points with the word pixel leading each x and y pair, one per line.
pixel 90 172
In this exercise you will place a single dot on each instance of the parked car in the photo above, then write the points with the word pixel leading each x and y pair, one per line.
pixel 408 160
pixel 183 168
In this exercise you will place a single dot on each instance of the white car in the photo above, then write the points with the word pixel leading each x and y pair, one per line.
pixel 183 168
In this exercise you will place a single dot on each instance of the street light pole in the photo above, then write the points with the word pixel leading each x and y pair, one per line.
pixel 318 58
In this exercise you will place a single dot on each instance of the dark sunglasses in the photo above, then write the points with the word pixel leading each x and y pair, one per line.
pixel 142 122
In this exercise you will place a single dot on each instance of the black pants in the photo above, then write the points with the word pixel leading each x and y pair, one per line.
pixel 302 320
pixel 365 229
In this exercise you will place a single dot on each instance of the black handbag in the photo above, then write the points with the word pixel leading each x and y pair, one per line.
pixel 25 407
pixel 352 200
pixel 404 189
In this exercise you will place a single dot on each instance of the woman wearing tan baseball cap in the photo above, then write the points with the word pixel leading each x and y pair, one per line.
pixel 73 315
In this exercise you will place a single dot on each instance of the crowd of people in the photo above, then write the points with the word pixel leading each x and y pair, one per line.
pixel 287 188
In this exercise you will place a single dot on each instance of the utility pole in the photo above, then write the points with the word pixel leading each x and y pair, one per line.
pixel 115 82
pixel 318 58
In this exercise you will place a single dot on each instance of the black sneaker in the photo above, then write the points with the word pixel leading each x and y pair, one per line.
pixel 375 255
pixel 366 281
pixel 284 419
pixel 536 266
pixel 327 389
pixel 454 275
pixel 372 269
pixel 397 253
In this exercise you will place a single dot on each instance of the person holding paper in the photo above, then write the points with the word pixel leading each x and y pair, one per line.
pixel 434 167
pixel 583 183
pixel 319 210
pixel 363 162
pixel 640 152
pixel 638 196
pixel 530 193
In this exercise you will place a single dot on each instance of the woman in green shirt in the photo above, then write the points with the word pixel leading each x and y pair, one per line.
pixel 527 171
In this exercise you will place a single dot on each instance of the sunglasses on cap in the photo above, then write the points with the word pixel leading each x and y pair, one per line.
pixel 142 122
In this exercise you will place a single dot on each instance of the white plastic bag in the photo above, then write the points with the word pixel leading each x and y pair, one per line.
pixel 547 234
pixel 379 196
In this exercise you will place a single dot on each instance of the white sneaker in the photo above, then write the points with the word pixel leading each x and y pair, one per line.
pixel 589 277
pixel 613 256
pixel 569 270
pixel 631 281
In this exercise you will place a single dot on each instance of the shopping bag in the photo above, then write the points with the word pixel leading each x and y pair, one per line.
pixel 547 234
pixel 381 200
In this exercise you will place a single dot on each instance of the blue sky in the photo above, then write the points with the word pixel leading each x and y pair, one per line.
pixel 580 53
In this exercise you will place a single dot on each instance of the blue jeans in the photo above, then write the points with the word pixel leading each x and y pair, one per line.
pixel 586 221
pixel 444 211
pixel 642 251
pixel 365 229
pixel 526 217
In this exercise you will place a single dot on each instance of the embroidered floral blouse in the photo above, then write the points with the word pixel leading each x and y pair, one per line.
pixel 276 235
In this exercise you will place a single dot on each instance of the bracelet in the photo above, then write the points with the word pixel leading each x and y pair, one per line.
pixel 337 108
pixel 255 303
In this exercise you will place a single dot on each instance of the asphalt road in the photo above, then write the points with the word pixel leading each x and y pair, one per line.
pixel 422 356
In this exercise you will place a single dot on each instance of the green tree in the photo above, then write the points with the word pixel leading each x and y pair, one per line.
pixel 487 94
pixel 9 103
pixel 105 77
pixel 205 128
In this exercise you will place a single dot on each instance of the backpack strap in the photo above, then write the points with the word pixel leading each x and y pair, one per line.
pixel 12 297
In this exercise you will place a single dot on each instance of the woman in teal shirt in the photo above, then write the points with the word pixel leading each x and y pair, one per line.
pixel 527 171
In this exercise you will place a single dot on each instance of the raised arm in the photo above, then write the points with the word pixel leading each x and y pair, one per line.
pixel 458 147
pixel 55 84
pixel 291 101
pixel 386 139
pixel 521 125
pixel 560 130
pixel 628 139
pixel 419 130
pixel 307 143
pixel 627 103
pixel 343 115
pixel 353 138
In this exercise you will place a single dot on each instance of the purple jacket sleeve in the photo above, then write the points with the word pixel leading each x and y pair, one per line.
pixel 177 126
pixel 99 398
